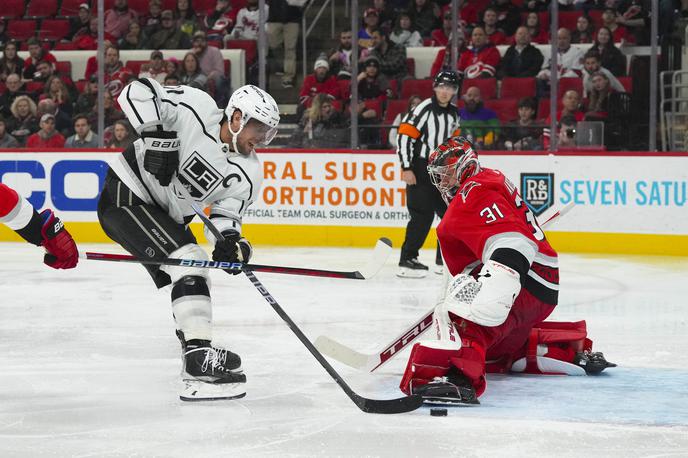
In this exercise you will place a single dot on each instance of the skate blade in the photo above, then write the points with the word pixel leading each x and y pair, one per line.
pixel 195 390
pixel 439 401
pixel 405 272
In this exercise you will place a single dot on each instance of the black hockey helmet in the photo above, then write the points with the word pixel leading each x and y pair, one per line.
pixel 447 78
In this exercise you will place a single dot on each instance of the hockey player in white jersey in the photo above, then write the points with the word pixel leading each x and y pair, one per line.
pixel 187 141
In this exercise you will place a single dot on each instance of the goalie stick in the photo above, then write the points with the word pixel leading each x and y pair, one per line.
pixel 383 248
pixel 370 362
pixel 385 406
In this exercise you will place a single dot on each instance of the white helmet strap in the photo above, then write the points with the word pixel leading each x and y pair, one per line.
pixel 235 135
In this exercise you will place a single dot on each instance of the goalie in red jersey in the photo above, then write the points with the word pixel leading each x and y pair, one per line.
pixel 44 229
pixel 502 282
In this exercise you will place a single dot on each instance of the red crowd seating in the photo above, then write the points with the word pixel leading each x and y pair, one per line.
pixel 21 30
pixel 421 88
pixel 53 29
pixel 518 87
pixel 12 9
pixel 71 7
pixel 487 86
pixel 41 8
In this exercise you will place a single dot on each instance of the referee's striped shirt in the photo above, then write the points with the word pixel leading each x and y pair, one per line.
pixel 424 129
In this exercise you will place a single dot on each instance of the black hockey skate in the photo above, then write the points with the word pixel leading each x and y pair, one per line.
pixel 412 268
pixel 454 388
pixel 592 362
pixel 210 373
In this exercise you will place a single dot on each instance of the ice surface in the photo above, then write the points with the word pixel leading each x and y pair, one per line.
pixel 89 365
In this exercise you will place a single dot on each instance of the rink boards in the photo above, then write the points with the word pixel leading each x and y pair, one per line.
pixel 625 202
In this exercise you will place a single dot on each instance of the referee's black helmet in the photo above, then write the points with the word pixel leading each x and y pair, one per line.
pixel 447 78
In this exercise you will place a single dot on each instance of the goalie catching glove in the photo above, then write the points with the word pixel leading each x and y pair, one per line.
pixel 487 300
pixel 161 158
pixel 234 248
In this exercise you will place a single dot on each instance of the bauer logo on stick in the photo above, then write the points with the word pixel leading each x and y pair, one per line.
pixel 537 190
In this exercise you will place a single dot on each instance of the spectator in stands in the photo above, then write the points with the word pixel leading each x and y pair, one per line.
pixel 14 90
pixel 83 135
pixel 322 126
pixel 112 113
pixel 190 73
pixel 82 21
pixel 172 66
pixel 212 66
pixel 283 31
pixel 220 21
pixel 591 65
pixel 404 35
pixel 319 82
pixel 186 17
pixel 23 121
pixel 172 80
pixel 443 58
pixel 570 108
pixel 63 121
pixel 155 68
pixel 619 33
pixel 508 16
pixel 566 133
pixel 6 140
pixel 386 15
pixel 371 83
pixel 116 74
pixel 521 60
pixel 413 102
pixel 150 22
pixel 118 18
pixel 569 62
pixel 87 99
pixel 610 56
pixel 44 71
pixel 47 136
pixel 371 19
pixel 440 36
pixel 248 21
pixel 134 38
pixel 392 57
pixel 340 57
pixel 521 133
pixel 495 35
pixel 87 39
pixel 424 15
pixel 585 30
pixel 598 102
pixel 56 90
pixel 10 62
pixel 122 135
pixel 538 34
pixel 480 60
pixel 468 13
pixel 36 55
pixel 635 16
pixel 168 36
pixel 479 125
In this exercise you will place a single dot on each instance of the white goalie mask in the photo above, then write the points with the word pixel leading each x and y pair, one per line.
pixel 259 115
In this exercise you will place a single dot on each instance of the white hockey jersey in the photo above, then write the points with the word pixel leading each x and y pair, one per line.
pixel 215 176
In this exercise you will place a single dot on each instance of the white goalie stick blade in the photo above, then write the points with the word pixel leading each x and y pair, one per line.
pixel 383 248
pixel 371 362
pixel 196 390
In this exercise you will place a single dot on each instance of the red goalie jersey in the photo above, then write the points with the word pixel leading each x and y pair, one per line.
pixel 487 214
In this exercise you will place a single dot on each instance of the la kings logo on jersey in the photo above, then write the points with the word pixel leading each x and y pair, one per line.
pixel 198 176
pixel 537 190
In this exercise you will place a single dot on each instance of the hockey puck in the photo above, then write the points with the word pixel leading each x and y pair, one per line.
pixel 436 412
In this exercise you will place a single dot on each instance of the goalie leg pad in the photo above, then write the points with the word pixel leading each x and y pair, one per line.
pixel 552 348
pixel 428 359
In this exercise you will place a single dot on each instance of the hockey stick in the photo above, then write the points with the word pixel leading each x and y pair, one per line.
pixel 383 248
pixel 370 362
pixel 387 406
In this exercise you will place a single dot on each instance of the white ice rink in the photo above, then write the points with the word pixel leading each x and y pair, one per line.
pixel 89 365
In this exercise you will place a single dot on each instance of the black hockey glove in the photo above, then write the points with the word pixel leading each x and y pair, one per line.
pixel 161 158
pixel 234 248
